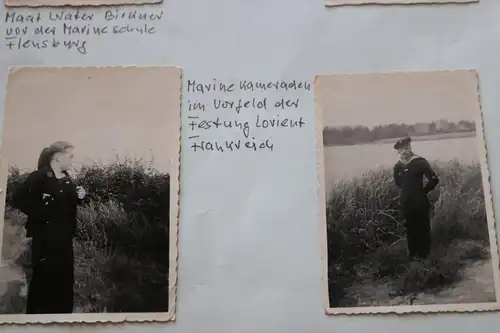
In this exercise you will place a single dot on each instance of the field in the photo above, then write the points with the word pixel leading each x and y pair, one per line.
pixel 367 241
pixel 121 247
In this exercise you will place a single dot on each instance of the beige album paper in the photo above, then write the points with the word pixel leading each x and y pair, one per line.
pixel 90 176
pixel 336 3
pixel 75 3
pixel 406 194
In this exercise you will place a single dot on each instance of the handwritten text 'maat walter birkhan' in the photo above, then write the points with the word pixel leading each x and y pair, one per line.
pixel 70 29
pixel 13 17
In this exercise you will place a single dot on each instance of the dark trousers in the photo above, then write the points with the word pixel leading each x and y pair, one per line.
pixel 51 289
pixel 418 229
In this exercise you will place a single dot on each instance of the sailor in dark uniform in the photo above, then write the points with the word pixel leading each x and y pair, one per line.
pixel 49 198
pixel 409 172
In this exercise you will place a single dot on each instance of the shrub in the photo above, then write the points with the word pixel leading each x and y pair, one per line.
pixel 14 179
pixel 121 245
pixel 367 238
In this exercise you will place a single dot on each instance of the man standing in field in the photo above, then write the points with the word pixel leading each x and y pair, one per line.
pixel 409 172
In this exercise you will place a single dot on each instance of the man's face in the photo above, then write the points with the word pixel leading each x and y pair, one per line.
pixel 65 159
pixel 404 151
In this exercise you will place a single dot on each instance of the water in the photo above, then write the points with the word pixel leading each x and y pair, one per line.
pixel 345 162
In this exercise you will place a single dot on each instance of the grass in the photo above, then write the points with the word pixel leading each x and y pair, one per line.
pixel 367 238
pixel 121 246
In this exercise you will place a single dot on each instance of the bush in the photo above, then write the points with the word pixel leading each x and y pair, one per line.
pixel 367 238
pixel 121 245
pixel 14 179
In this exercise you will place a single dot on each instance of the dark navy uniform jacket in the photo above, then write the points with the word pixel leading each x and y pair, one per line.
pixel 409 178
pixel 49 203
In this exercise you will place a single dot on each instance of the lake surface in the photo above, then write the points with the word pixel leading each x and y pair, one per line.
pixel 345 162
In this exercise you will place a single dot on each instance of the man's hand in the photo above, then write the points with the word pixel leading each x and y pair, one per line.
pixel 80 191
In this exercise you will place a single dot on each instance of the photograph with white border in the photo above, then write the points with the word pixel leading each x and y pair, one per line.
pixel 90 181
pixel 408 216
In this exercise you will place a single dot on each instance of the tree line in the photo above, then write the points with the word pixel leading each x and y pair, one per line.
pixel 350 135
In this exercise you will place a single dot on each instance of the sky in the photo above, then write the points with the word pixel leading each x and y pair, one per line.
pixel 378 99
pixel 105 112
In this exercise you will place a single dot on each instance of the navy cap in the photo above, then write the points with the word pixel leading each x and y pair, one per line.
pixel 402 142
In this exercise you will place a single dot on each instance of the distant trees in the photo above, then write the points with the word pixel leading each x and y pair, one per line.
pixel 349 135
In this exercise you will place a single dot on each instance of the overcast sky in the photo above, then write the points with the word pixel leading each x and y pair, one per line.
pixel 103 112
pixel 397 98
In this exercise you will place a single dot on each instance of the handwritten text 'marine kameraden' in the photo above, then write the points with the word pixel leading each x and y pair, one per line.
pixel 254 109
pixel 71 29
pixel 246 85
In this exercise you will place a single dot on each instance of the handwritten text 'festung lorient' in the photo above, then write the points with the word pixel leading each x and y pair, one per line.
pixel 72 30
pixel 254 109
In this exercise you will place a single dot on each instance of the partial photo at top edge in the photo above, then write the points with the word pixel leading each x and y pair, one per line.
pixel 76 4
pixel 344 3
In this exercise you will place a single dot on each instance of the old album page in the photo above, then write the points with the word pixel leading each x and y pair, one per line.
pixel 336 3
pixel 406 194
pixel 90 157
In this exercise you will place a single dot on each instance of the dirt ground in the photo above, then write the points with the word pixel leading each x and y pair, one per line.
pixel 477 286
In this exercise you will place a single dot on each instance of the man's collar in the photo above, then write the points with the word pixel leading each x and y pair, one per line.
pixel 411 158
pixel 49 172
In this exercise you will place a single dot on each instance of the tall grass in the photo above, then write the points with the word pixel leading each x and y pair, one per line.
pixel 367 238
pixel 121 245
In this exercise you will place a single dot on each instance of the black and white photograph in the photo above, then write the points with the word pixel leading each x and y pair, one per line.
pixel 407 200
pixel 90 183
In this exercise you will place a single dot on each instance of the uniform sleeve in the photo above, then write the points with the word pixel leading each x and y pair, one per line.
pixel 27 197
pixel 397 178
pixel 432 178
